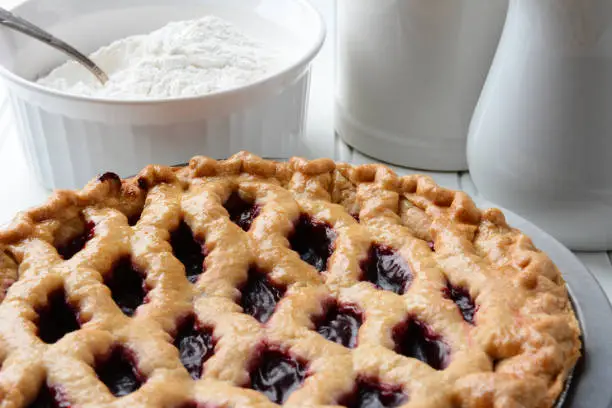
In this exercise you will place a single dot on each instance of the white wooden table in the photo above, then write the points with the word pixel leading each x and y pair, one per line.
pixel 20 190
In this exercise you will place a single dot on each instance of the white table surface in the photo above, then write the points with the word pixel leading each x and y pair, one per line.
pixel 19 189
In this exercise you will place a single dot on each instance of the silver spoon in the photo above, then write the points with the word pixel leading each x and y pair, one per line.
pixel 19 24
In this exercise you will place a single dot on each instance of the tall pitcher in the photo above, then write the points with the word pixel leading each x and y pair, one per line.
pixel 541 138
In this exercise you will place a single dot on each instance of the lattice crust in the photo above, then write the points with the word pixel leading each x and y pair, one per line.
pixel 519 351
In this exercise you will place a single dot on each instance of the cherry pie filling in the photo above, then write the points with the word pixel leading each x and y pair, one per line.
pixel 414 339
pixel 463 300
pixel 260 296
pixel 49 397
pixel 340 324
pixel 386 269
pixel 76 244
pixel 241 212
pixel 277 375
pixel 196 405
pixel 195 345
pixel 57 319
pixel 189 250
pixel 314 241
pixel 127 285
pixel 371 394
pixel 118 372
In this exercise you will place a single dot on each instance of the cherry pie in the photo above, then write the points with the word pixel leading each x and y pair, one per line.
pixel 251 283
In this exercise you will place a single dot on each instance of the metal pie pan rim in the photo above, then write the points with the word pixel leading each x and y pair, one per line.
pixel 584 388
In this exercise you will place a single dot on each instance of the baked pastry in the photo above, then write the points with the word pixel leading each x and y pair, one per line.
pixel 303 283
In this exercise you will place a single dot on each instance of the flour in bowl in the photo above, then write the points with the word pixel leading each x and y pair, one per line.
pixel 184 58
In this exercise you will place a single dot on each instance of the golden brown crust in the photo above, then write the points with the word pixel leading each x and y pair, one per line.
pixel 519 353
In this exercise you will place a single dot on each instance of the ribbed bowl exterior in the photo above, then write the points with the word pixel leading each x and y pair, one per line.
pixel 67 151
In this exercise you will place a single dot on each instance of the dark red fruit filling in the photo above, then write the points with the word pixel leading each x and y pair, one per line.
pixel 314 241
pixel 340 324
pixel 118 373
pixel 277 375
pixel 371 394
pixel 127 286
pixel 195 345
pixel 143 184
pixel 196 405
pixel 386 269
pixel 134 218
pixel 241 212
pixel 260 296
pixel 463 300
pixel 49 398
pixel 189 250
pixel 57 319
pixel 432 246
pixel 70 248
pixel 109 176
pixel 414 339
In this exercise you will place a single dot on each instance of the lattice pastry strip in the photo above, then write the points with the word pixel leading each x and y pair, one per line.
pixel 247 283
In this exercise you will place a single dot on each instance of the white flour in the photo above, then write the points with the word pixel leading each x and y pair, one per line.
pixel 184 58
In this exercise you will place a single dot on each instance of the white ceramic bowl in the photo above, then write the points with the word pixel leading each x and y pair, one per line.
pixel 69 139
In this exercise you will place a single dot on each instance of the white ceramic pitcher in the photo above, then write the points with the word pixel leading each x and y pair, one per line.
pixel 541 138
pixel 409 73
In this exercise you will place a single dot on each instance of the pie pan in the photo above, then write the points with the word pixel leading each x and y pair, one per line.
pixel 587 386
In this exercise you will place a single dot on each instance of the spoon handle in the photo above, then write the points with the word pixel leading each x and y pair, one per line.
pixel 17 23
